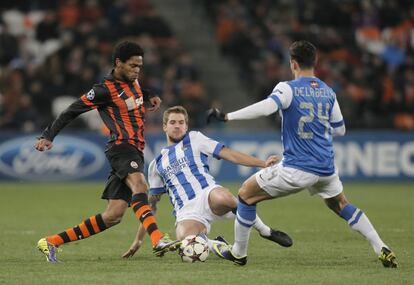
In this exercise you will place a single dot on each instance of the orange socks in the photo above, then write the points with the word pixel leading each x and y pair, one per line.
pixel 143 212
pixel 89 227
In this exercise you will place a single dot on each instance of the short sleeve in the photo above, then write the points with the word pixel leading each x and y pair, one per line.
pixel 155 180
pixel 282 95
pixel 206 145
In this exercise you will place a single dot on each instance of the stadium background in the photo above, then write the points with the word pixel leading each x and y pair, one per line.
pixel 224 53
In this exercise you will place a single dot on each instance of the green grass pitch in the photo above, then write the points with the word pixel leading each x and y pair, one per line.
pixel 325 250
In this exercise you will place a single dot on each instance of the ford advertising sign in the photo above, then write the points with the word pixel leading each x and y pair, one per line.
pixel 71 158
pixel 361 156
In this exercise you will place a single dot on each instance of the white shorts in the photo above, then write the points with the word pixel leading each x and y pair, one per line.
pixel 199 210
pixel 279 181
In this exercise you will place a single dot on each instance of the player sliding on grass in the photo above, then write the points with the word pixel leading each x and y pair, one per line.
pixel 120 102
pixel 182 171
pixel 311 116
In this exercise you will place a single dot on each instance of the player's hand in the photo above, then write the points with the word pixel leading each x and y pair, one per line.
pixel 133 249
pixel 43 144
pixel 215 114
pixel 272 160
pixel 155 104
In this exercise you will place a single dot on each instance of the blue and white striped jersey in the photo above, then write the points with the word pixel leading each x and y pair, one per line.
pixel 182 170
pixel 309 110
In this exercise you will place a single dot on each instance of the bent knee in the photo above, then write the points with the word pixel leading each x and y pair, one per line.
pixel 112 219
pixel 228 199
pixel 244 192
pixel 337 203
pixel 180 236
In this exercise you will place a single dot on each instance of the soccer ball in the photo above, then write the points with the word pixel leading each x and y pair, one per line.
pixel 193 248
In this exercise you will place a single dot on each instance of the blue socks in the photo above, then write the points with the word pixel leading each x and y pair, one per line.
pixel 245 219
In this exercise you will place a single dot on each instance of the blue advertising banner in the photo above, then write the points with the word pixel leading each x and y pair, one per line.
pixel 80 156
pixel 73 157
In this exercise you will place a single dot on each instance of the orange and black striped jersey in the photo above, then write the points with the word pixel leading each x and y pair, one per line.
pixel 120 105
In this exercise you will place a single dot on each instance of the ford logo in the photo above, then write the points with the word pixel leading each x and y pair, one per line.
pixel 70 158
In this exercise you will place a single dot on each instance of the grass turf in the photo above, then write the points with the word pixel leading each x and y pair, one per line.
pixel 325 250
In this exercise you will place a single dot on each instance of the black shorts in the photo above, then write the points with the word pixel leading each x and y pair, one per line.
pixel 124 159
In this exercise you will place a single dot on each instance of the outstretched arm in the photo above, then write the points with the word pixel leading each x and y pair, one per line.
pixel 97 97
pixel 141 233
pixel 262 108
pixel 245 159
pixel 280 98
pixel 259 109
pixel 136 244
pixel 75 109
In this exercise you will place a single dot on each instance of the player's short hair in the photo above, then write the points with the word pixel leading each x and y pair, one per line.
pixel 304 53
pixel 125 50
pixel 175 110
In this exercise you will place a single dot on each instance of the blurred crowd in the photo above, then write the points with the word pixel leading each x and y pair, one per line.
pixel 365 51
pixel 54 51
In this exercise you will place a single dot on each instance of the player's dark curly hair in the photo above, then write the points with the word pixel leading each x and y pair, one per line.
pixel 304 53
pixel 125 50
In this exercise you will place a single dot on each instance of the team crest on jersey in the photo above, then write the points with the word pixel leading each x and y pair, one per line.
pixel 314 84
pixel 90 95
pixel 134 164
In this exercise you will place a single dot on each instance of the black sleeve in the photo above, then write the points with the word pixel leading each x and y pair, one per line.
pixel 97 97
pixel 148 94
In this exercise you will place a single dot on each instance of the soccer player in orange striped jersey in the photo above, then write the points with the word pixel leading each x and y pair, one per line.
pixel 119 100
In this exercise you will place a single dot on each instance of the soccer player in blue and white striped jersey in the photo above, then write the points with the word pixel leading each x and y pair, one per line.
pixel 311 116
pixel 182 171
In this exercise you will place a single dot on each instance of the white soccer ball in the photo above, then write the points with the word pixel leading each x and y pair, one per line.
pixel 193 248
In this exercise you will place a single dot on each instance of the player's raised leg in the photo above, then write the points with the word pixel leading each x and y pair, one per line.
pixel 249 194
pixel 359 222
pixel 93 225
pixel 139 203
pixel 223 203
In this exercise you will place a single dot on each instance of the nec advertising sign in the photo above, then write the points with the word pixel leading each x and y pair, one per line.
pixel 359 156
pixel 71 158
pixel 354 159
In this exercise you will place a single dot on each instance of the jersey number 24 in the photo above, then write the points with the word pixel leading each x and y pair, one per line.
pixel 322 117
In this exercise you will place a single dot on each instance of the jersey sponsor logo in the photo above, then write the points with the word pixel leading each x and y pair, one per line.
pixel 134 164
pixel 139 101
pixel 130 103
pixel 120 94
pixel 90 95
pixel 70 158
pixel 133 103
pixel 175 167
